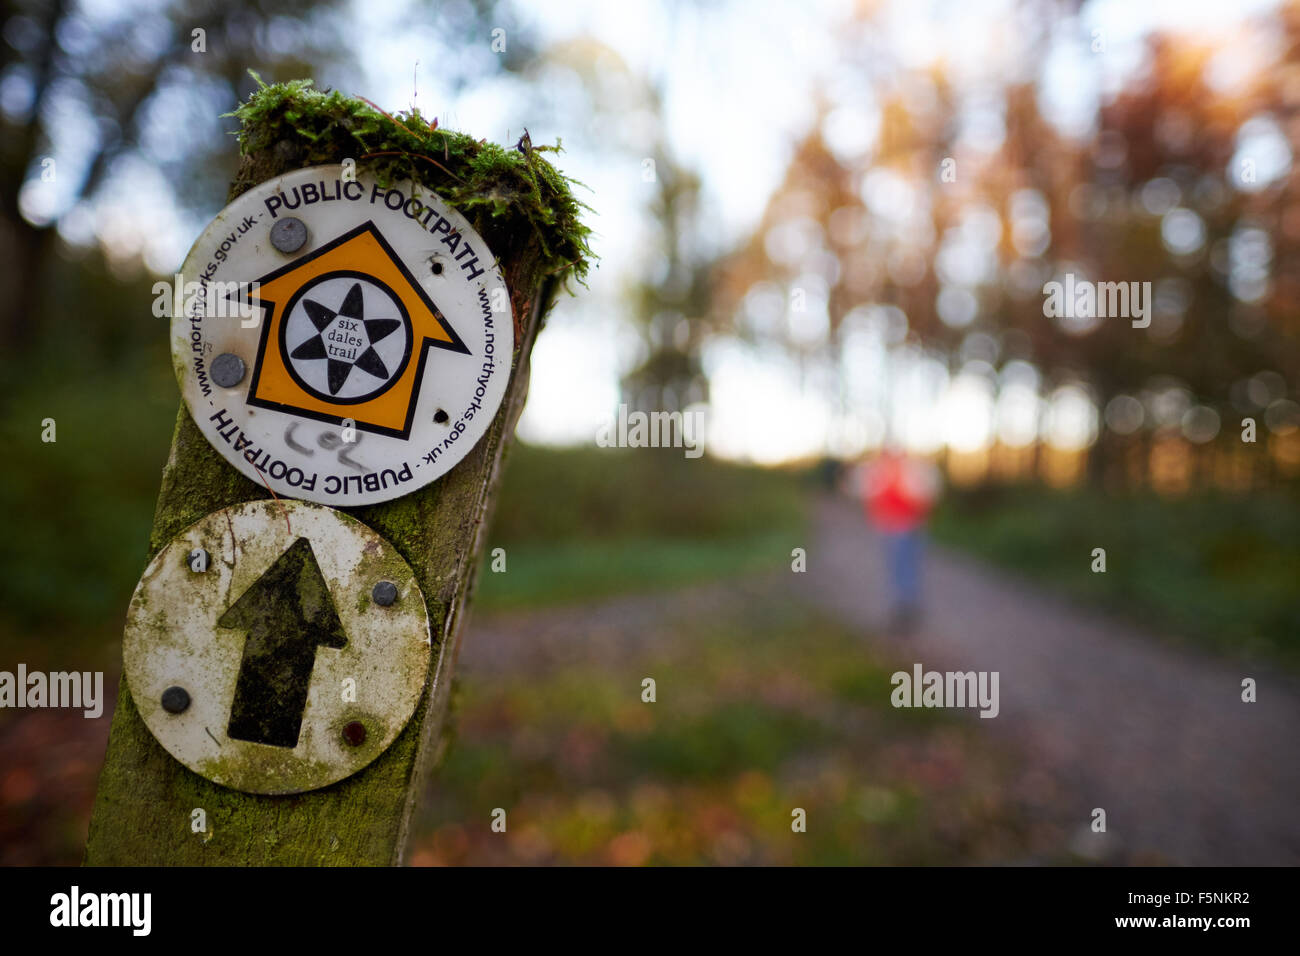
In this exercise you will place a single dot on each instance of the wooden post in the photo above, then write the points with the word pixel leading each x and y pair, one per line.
pixel 522 207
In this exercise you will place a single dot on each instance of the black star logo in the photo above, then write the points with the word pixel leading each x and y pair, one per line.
pixel 350 318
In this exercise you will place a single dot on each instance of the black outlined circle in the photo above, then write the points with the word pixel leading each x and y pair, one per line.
pixel 398 307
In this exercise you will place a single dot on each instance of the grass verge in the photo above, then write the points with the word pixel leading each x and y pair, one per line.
pixel 1220 571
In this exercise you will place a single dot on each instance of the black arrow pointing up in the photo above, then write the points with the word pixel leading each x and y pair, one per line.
pixel 287 612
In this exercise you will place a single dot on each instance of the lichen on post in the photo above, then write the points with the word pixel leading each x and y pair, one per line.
pixel 524 209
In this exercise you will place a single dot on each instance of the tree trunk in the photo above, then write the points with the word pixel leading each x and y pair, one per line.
pixel 145 797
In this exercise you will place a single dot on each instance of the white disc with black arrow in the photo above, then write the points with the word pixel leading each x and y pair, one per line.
pixel 277 646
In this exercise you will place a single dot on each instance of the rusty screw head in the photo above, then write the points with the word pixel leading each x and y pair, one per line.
pixel 228 369
pixel 289 235
pixel 385 593
pixel 175 700
pixel 354 733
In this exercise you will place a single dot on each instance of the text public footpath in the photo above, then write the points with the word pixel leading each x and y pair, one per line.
pixel 394 199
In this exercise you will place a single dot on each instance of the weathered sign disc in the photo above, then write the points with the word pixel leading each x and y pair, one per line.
pixel 276 647
pixel 340 341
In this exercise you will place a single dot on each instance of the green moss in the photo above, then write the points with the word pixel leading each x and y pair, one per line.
pixel 514 187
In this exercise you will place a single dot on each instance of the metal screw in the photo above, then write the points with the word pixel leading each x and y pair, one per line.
pixel 289 235
pixel 175 700
pixel 354 733
pixel 227 369
pixel 385 593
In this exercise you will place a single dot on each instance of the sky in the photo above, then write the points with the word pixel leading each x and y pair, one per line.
pixel 737 90
pixel 740 79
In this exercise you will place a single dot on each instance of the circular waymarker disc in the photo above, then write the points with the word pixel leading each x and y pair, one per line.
pixel 339 341
pixel 276 647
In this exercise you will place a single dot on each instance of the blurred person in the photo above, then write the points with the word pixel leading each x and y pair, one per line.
pixel 898 492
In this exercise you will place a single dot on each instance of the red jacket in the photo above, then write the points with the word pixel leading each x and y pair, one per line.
pixel 898 492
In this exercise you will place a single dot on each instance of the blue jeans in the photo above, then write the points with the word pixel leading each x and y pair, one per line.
pixel 903 552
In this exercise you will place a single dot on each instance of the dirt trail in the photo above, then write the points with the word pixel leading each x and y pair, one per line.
pixel 1157 736
pixel 1101 712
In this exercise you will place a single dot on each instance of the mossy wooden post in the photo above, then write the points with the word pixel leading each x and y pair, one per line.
pixel 523 208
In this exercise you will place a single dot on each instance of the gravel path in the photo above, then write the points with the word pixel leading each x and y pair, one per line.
pixel 1157 736
pixel 1101 714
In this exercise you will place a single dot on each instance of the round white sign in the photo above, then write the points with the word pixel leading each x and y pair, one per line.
pixel 276 646
pixel 340 341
